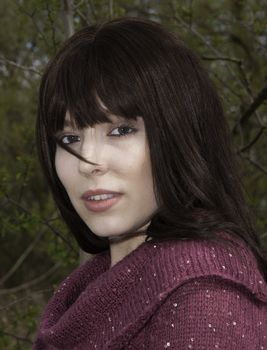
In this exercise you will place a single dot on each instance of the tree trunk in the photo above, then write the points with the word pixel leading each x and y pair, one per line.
pixel 67 15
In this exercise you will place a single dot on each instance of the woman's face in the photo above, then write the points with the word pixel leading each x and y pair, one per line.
pixel 123 165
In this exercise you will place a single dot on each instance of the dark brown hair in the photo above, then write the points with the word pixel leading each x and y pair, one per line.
pixel 137 68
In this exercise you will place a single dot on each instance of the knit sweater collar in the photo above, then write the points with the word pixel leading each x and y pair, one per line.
pixel 99 305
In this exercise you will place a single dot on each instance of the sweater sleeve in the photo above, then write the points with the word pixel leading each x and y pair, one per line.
pixel 209 313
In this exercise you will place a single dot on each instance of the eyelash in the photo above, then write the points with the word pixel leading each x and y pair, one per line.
pixel 61 137
pixel 125 126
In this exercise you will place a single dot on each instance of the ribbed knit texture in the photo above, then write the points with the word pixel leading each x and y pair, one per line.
pixel 168 295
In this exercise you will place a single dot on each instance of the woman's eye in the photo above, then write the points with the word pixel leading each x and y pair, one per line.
pixel 123 130
pixel 68 139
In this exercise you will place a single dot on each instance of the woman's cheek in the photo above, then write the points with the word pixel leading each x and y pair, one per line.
pixel 64 168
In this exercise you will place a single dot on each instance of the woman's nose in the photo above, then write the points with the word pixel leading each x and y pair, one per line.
pixel 87 169
pixel 93 162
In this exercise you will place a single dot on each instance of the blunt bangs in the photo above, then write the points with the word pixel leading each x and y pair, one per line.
pixel 85 82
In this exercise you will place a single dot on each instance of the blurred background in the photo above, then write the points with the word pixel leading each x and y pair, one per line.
pixel 36 250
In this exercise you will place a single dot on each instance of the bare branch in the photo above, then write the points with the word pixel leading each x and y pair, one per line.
pixel 257 165
pixel 27 297
pixel 26 340
pixel 83 17
pixel 245 79
pixel 44 222
pixel 178 19
pixel 52 24
pixel 190 28
pixel 258 101
pixel 22 258
pixel 221 58
pixel 249 89
pixel 91 9
pixel 20 66
pixel 253 141
pixel 67 15
pixel 227 86
pixel 75 7
pixel 31 15
pixel 31 283
pixel 111 8
pixel 25 173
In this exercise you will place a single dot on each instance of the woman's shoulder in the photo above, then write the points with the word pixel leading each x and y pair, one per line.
pixel 210 313
pixel 210 295
pixel 229 260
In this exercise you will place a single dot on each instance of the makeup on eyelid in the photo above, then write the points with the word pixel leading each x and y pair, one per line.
pixel 76 138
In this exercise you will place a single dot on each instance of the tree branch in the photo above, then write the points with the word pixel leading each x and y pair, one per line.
pixel 21 258
pixel 31 15
pixel 83 17
pixel 44 222
pixel 67 15
pixel 20 66
pixel 227 86
pixel 258 101
pixel 111 8
pixel 52 24
pixel 257 165
pixel 253 141
pixel 32 282
pixel 26 340
pixel 221 58
pixel 178 19
pixel 27 297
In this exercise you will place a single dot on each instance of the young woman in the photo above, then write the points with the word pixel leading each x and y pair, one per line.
pixel 136 149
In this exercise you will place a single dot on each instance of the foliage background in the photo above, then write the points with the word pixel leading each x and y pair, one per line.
pixel 36 250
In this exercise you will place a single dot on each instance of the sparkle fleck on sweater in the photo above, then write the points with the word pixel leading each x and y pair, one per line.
pixel 167 295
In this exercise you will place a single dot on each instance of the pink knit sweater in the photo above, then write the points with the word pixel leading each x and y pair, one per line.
pixel 168 295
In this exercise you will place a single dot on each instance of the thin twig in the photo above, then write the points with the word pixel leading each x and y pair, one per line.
pixel 44 222
pixel 31 15
pixel 21 259
pixel 27 297
pixel 25 174
pixel 249 90
pixel 31 283
pixel 253 141
pixel 83 17
pixel 178 19
pixel 20 66
pixel 258 101
pixel 75 7
pixel 228 87
pixel 52 24
pixel 91 9
pixel 26 340
pixel 221 58
pixel 257 165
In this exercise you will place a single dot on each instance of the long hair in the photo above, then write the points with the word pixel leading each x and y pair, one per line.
pixel 137 68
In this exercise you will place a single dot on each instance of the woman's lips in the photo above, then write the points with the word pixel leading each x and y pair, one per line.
pixel 102 204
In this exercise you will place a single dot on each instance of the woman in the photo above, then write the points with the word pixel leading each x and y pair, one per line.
pixel 136 149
